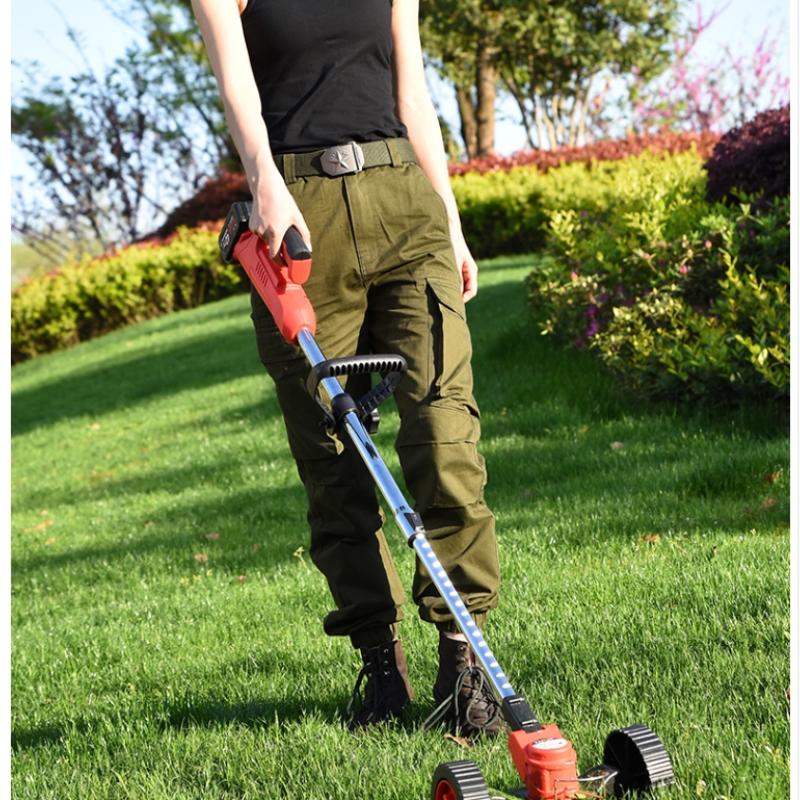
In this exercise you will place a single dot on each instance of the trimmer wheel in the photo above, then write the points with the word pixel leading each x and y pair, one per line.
pixel 459 780
pixel 640 757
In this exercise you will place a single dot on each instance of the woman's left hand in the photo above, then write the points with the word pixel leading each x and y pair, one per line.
pixel 465 262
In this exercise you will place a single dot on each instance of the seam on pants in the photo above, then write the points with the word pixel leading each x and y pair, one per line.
pixel 351 216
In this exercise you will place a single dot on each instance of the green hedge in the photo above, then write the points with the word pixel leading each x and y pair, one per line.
pixel 681 297
pixel 86 299
pixel 502 213
pixel 507 212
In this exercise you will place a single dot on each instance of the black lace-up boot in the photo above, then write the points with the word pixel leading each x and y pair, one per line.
pixel 463 692
pixel 387 691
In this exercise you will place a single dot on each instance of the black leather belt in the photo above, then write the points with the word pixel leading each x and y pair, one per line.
pixel 345 159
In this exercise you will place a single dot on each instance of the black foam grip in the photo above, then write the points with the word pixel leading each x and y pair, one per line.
pixel 296 248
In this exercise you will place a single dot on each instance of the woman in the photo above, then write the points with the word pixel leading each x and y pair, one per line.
pixel 328 107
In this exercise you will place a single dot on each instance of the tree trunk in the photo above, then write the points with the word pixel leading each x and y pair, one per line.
pixel 469 124
pixel 548 115
pixel 580 105
pixel 486 84
pixel 537 102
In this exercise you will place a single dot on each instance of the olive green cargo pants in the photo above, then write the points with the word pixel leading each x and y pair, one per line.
pixel 384 280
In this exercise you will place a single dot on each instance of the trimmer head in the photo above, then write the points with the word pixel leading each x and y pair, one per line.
pixel 634 761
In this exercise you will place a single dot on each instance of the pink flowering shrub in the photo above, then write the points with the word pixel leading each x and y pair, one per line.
pixel 697 94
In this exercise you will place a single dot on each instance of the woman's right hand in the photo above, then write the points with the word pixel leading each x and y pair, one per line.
pixel 275 211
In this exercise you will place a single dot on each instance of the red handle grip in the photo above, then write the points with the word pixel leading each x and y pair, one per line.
pixel 285 299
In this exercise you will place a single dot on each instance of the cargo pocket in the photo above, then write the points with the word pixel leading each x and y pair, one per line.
pixel 451 347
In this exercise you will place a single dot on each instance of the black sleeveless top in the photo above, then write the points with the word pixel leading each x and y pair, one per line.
pixel 323 70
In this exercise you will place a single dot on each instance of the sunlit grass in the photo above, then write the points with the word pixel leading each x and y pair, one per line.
pixel 166 620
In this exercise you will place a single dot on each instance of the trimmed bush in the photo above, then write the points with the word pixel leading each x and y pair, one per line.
pixel 510 213
pixel 502 213
pixel 682 298
pixel 90 298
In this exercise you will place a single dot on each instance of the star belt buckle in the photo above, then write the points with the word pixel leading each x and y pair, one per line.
pixel 342 159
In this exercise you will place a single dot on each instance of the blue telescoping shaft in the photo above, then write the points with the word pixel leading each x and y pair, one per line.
pixel 409 524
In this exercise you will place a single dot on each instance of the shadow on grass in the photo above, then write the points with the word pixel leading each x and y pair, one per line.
pixel 263 698
pixel 116 383
pixel 207 714
pixel 258 528
pixel 257 713
pixel 516 366
pixel 40 737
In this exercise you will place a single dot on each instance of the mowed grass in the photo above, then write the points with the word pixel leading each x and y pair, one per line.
pixel 166 620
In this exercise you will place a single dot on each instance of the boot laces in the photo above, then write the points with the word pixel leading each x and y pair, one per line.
pixel 374 701
pixel 472 703
pixel 481 710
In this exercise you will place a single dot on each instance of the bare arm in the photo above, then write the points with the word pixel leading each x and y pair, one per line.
pixel 274 209
pixel 416 111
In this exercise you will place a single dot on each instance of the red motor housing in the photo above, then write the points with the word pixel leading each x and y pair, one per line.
pixel 285 299
pixel 546 762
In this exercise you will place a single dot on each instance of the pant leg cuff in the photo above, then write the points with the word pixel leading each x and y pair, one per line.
pixel 449 626
pixel 373 637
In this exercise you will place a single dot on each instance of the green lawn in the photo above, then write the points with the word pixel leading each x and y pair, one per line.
pixel 166 621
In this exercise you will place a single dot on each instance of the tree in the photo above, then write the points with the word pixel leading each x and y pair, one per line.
pixel 694 94
pixel 461 39
pixel 563 47
pixel 546 55
pixel 108 155
pixel 189 88
pixel 113 153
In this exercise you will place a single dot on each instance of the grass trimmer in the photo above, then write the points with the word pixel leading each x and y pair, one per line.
pixel 634 758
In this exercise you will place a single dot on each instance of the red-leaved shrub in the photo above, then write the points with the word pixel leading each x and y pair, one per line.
pixel 753 158
pixel 209 206
pixel 668 142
